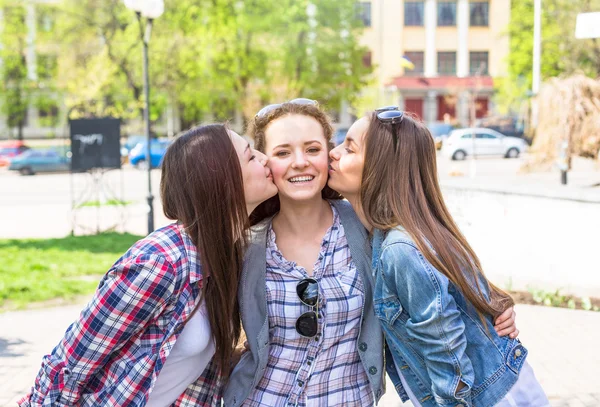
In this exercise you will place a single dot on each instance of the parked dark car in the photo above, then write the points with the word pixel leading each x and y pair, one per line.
pixel 34 161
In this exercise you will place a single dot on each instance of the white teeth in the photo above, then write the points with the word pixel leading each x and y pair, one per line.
pixel 302 179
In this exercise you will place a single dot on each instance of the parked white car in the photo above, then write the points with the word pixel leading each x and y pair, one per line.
pixel 460 144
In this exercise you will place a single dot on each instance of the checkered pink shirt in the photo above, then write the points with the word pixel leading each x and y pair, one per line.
pixel 325 370
pixel 112 354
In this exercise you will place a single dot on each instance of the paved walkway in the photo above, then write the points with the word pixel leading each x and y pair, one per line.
pixel 563 344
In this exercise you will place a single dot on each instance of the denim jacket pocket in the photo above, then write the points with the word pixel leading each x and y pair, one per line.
pixel 388 309
pixel 516 356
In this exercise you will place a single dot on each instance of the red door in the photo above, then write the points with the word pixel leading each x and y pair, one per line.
pixel 481 107
pixel 414 105
pixel 446 106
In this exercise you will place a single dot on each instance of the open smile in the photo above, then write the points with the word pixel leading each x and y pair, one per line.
pixel 302 179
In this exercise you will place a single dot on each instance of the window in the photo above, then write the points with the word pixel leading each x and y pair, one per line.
pixel 413 13
pixel 417 58
pixel 363 9
pixel 447 63
pixel 480 13
pixel 47 66
pixel 446 13
pixel 48 113
pixel 367 59
pixel 15 68
pixel 45 15
pixel 478 63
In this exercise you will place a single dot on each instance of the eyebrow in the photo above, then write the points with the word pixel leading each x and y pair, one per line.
pixel 351 140
pixel 306 143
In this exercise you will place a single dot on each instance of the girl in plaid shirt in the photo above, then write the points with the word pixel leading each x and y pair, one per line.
pixel 161 328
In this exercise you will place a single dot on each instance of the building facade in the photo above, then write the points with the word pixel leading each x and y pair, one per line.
pixel 437 59
pixel 34 21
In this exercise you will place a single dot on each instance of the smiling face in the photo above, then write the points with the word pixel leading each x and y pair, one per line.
pixel 297 151
pixel 258 182
pixel 348 159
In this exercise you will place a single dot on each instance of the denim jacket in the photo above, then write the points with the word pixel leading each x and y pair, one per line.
pixel 433 335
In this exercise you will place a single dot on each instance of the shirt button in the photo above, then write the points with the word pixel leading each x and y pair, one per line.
pixel 373 370
pixel 459 405
pixel 362 346
pixel 518 353
pixel 300 383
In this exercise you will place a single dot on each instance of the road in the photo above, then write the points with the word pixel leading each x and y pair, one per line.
pixel 40 205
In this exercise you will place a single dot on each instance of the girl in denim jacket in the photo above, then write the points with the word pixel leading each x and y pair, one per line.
pixel 435 305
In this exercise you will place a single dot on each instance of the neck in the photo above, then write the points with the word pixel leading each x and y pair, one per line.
pixel 355 202
pixel 304 218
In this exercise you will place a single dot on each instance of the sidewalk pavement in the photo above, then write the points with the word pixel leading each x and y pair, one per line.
pixel 563 350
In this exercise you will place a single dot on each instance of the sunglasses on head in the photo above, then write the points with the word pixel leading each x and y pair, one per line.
pixel 391 115
pixel 297 101
pixel 307 324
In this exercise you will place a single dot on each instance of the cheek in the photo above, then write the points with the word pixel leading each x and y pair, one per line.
pixel 321 162
pixel 277 170
pixel 350 167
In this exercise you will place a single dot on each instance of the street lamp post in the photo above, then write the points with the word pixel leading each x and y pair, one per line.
pixel 148 9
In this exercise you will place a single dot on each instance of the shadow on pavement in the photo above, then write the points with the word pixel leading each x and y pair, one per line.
pixel 5 347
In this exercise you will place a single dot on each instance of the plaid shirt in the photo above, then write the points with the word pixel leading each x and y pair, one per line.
pixel 112 354
pixel 325 370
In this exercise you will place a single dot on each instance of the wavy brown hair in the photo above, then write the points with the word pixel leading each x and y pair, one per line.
pixel 399 187
pixel 202 187
pixel 257 131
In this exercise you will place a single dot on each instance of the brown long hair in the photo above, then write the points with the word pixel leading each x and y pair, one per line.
pixel 400 188
pixel 257 131
pixel 202 187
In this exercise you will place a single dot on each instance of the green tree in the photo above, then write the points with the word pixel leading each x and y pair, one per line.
pixel 16 86
pixel 562 53
pixel 218 58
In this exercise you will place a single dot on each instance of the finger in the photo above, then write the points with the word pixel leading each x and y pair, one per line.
pixel 504 316
pixel 507 331
pixel 514 334
pixel 505 325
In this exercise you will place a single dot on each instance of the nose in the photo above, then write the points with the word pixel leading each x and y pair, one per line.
pixel 335 153
pixel 262 158
pixel 300 161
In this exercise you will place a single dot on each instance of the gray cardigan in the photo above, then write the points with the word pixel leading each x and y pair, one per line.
pixel 253 306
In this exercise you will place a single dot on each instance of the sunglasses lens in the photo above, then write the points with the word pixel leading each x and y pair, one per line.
pixel 390 115
pixel 308 291
pixel 387 109
pixel 307 324
pixel 303 101
pixel 267 109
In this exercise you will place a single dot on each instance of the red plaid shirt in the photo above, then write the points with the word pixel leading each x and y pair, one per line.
pixel 112 354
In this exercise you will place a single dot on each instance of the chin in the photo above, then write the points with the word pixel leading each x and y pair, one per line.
pixel 303 195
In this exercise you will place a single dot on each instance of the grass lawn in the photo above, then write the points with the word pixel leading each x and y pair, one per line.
pixel 33 270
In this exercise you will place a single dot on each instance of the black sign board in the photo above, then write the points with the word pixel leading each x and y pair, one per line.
pixel 95 143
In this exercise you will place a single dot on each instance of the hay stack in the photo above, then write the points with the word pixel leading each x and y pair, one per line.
pixel 569 110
